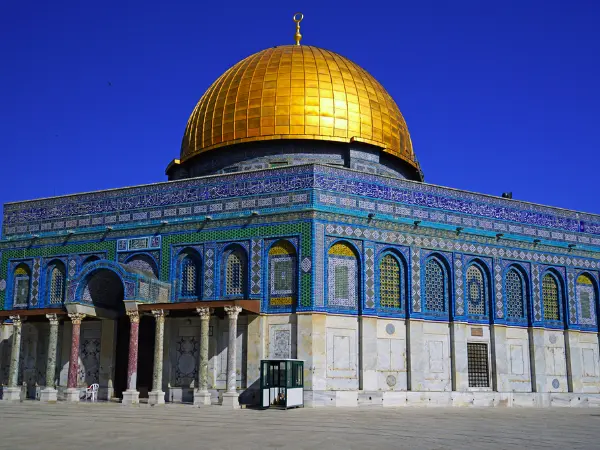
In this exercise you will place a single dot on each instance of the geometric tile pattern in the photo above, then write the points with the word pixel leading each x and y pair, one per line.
pixel 416 278
pixel 443 244
pixel 537 304
pixel 571 294
pixel 459 292
pixel 319 264
pixel 209 272
pixel 498 284
pixel 255 276
pixel 370 277
pixel 35 282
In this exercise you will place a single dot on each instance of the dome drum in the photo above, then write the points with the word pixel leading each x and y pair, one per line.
pixel 278 153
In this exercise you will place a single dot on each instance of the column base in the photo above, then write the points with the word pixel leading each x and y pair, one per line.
pixel 72 395
pixel 155 398
pixel 11 394
pixel 231 400
pixel 48 395
pixel 202 398
pixel 131 397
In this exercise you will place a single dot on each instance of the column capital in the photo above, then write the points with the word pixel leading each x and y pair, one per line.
pixel 134 316
pixel 160 314
pixel 233 311
pixel 76 318
pixel 53 318
pixel 17 320
pixel 204 312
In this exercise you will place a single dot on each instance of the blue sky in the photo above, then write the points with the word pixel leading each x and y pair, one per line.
pixel 498 95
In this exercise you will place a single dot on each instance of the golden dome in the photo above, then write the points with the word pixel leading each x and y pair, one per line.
pixel 297 92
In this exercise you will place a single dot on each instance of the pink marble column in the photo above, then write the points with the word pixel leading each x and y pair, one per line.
pixel 74 359
pixel 72 393
pixel 131 396
pixel 134 329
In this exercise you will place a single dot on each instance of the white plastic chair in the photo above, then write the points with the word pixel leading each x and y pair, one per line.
pixel 91 392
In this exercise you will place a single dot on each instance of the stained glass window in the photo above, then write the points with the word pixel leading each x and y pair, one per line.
pixel 21 286
pixel 550 298
pixel 389 282
pixel 189 277
pixel 342 276
pixel 435 286
pixel 586 298
pixel 476 297
pixel 515 298
pixel 56 288
pixel 235 273
pixel 282 272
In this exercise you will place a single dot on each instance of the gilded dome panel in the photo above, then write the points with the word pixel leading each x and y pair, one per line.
pixel 297 92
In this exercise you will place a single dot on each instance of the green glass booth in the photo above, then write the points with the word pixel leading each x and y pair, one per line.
pixel 282 383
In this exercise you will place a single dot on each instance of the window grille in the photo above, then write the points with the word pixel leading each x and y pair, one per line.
pixel 514 295
pixel 57 285
pixel 282 273
pixel 477 355
pixel 389 282
pixel 550 298
pixel 342 276
pixel 189 277
pixel 475 291
pixel 235 273
pixel 435 286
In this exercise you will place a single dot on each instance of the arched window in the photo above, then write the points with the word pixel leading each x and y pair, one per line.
pixel 190 271
pixel 235 273
pixel 476 291
pixel 390 282
pixel 435 286
pixel 282 274
pixel 550 298
pixel 586 298
pixel 56 283
pixel 143 264
pixel 515 294
pixel 342 276
pixel 21 285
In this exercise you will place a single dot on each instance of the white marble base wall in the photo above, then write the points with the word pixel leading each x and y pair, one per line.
pixel 585 361
pixel 429 354
pixel 550 360
pixel 513 359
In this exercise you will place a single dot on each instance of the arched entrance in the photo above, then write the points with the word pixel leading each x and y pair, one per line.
pixel 103 288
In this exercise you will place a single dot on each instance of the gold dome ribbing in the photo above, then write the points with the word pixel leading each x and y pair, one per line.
pixel 297 92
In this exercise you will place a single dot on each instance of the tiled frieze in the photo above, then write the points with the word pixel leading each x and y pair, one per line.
pixel 288 188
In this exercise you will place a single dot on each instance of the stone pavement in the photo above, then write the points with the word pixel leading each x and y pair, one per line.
pixel 32 425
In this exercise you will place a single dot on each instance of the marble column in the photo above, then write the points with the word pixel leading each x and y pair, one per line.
pixel 13 392
pixel 72 393
pixel 49 393
pixel 201 395
pixel 131 396
pixel 230 397
pixel 157 396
